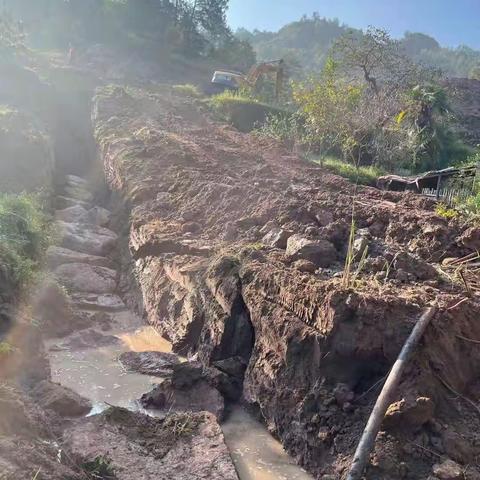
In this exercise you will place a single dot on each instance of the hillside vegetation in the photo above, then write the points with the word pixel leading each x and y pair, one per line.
pixel 307 42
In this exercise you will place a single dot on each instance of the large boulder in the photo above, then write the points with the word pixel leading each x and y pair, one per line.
pixel 320 252
pixel 81 277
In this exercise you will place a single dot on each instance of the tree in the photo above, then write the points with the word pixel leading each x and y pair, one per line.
pixel 377 58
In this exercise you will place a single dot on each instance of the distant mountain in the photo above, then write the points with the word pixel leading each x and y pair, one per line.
pixel 306 43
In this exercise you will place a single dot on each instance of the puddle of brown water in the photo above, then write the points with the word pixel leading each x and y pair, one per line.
pixel 256 454
pixel 96 373
pixel 145 339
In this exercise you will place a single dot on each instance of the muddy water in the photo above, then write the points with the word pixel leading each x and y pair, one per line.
pixel 96 374
pixel 256 454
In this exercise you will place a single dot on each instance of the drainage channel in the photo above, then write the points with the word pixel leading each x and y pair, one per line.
pixel 87 361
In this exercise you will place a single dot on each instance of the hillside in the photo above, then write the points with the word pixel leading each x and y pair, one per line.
pixel 306 42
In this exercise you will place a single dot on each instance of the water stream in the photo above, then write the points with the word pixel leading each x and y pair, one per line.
pixel 97 374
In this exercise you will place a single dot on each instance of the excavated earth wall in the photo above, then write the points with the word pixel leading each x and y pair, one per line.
pixel 239 250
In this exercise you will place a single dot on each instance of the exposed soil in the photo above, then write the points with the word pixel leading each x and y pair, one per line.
pixel 239 249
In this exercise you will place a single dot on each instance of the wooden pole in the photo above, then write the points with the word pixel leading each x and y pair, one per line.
pixel 367 441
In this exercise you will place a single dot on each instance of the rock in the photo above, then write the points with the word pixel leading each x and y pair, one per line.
pixel 361 243
pixel 414 266
pixel 170 398
pixel 448 470
pixel 409 413
pixel 185 375
pixel 182 446
pixel 324 217
pixel 96 216
pixel 457 448
pixel 79 277
pixel 75 181
pixel 191 227
pixel 88 339
pixel 470 239
pixel 71 214
pixel 61 400
pixel 57 256
pixel 79 192
pixel 233 366
pixel 106 302
pixel 320 252
pixel 150 363
pixel 304 266
pixel 402 276
pixel 93 240
pixel 63 202
pixel 343 394
pixel 277 238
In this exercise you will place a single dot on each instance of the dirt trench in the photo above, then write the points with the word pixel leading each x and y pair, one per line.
pixel 233 249
pixel 239 249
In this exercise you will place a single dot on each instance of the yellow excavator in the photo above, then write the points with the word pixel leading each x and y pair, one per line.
pixel 231 80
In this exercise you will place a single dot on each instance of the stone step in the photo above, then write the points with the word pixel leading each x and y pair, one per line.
pixel 83 278
pixel 61 202
pixel 98 303
pixel 91 239
pixel 78 214
pixel 79 193
pixel 57 256
pixel 76 181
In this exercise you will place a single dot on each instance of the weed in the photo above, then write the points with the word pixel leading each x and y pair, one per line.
pixel 361 175
pixel 182 424
pixel 25 234
pixel 446 212
pixel 99 468
pixel 187 90
pixel 6 349
pixel 347 271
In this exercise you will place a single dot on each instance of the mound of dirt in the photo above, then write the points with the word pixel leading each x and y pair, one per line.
pixel 213 280
pixel 181 446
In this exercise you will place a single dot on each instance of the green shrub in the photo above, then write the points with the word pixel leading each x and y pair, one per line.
pixel 361 175
pixel 287 128
pixel 187 90
pixel 25 234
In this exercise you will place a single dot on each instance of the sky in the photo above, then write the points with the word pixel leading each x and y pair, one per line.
pixel 451 22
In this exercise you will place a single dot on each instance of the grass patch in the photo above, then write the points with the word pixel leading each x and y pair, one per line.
pixel 25 233
pixel 362 175
pixel 241 110
pixel 187 90
pixel 6 349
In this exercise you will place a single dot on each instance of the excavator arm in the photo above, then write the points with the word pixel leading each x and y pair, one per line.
pixel 257 71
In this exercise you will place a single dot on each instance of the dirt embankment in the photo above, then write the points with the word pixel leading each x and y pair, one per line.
pixel 239 250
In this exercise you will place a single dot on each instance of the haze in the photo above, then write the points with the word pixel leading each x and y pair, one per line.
pixel 451 23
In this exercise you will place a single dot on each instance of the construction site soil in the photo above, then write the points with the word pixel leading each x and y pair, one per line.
pixel 289 289
pixel 239 251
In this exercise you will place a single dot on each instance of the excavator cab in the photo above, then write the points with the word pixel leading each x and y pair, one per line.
pixel 229 80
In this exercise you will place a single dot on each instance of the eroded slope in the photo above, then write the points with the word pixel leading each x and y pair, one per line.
pixel 239 250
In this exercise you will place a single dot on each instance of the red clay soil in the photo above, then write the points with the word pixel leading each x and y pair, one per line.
pixel 239 249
